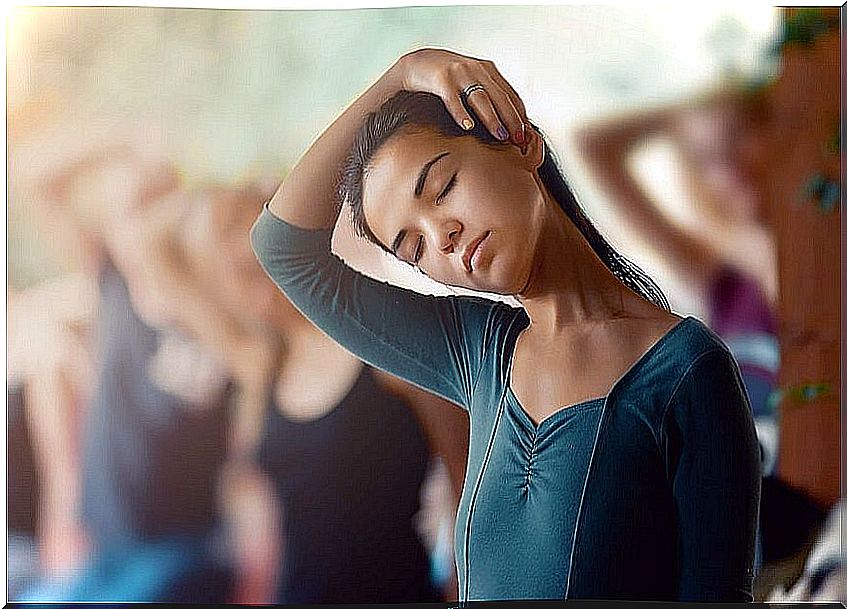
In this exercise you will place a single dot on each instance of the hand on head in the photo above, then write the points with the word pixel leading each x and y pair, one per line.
pixel 465 83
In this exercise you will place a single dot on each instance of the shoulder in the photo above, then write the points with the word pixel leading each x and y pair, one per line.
pixel 672 358
pixel 685 364
pixel 487 331
pixel 709 385
pixel 697 340
pixel 689 348
pixel 701 353
pixel 486 327
pixel 694 354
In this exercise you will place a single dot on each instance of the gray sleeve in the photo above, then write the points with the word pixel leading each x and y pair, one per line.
pixel 715 470
pixel 434 342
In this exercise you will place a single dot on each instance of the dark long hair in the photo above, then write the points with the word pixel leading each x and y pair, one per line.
pixel 409 111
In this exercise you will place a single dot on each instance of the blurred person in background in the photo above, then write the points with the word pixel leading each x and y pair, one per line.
pixel 791 523
pixel 348 503
pixel 822 566
pixel 804 187
pixel 170 431
pixel 154 431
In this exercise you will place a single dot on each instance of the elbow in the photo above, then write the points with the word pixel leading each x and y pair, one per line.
pixel 605 156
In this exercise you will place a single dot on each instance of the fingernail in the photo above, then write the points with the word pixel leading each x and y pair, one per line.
pixel 502 134
pixel 467 123
pixel 519 137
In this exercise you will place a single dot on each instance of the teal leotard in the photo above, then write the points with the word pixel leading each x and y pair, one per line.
pixel 650 492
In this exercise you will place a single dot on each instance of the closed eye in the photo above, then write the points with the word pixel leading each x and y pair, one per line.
pixel 447 189
pixel 418 250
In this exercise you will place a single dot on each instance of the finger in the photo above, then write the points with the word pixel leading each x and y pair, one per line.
pixel 495 75
pixel 519 136
pixel 508 113
pixel 482 104
pixel 462 76
pixel 453 103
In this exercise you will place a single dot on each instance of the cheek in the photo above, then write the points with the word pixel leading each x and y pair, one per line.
pixel 516 253
pixel 443 270
pixel 507 198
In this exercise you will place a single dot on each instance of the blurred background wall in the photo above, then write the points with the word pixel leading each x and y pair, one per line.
pixel 231 93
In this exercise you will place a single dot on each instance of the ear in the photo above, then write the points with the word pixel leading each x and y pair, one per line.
pixel 534 151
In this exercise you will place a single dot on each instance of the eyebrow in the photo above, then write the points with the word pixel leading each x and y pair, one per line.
pixel 419 185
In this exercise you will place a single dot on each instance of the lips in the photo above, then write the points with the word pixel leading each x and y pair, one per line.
pixel 470 250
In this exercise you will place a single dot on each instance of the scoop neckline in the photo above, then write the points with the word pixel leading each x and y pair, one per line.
pixel 554 418
pixel 559 412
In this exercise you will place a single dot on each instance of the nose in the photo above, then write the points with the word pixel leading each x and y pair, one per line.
pixel 449 236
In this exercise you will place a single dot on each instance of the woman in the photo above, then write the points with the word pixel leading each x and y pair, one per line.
pixel 345 527
pixel 155 414
pixel 627 491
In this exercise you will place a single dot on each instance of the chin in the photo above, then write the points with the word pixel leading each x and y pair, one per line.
pixel 512 276
pixel 503 283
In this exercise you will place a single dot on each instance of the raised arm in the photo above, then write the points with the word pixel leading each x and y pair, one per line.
pixel 307 196
pixel 49 355
pixel 607 147
pixel 436 343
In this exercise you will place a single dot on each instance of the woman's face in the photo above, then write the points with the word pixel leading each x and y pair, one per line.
pixel 219 243
pixel 464 213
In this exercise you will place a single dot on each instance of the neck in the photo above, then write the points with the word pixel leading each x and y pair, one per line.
pixel 569 284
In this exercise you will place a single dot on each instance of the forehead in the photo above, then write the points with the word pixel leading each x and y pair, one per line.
pixel 398 162
pixel 389 181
